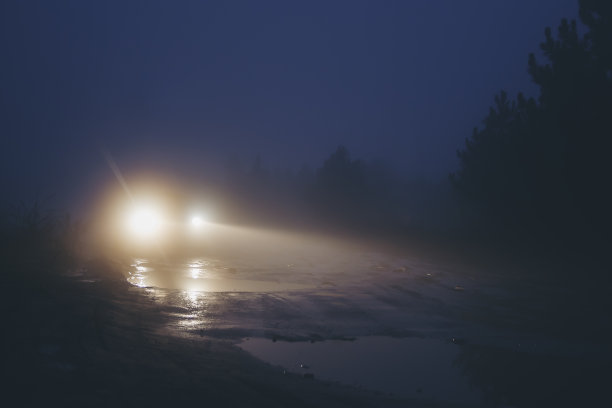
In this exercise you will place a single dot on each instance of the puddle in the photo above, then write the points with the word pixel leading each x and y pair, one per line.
pixel 228 285
pixel 407 367
pixel 201 276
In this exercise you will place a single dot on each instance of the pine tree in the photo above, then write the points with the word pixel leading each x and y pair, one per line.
pixel 548 160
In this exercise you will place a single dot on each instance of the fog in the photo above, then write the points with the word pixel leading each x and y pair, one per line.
pixel 272 204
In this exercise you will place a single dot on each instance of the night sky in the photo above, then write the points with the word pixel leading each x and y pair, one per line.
pixel 188 87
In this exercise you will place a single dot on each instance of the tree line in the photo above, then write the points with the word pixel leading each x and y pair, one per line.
pixel 544 164
pixel 342 192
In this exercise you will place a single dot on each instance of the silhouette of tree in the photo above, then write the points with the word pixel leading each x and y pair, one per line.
pixel 493 162
pixel 597 16
pixel 547 160
pixel 341 179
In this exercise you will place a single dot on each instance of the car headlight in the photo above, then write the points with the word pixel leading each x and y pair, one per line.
pixel 144 222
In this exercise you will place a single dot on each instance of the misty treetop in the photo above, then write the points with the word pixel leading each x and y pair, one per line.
pixel 547 161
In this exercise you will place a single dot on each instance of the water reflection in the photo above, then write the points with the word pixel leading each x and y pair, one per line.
pixel 196 309
pixel 207 275
pixel 195 273
pixel 137 275
pixel 192 298
pixel 197 268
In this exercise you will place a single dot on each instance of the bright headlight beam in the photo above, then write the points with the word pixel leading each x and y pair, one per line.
pixel 144 221
pixel 197 221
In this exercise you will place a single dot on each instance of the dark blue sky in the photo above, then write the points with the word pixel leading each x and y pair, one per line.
pixel 186 86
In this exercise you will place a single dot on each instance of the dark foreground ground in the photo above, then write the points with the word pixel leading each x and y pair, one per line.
pixel 71 342
pixel 95 340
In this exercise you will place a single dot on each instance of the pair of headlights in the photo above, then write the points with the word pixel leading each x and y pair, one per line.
pixel 148 221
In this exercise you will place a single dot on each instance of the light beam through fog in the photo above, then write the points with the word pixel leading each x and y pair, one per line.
pixel 115 169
